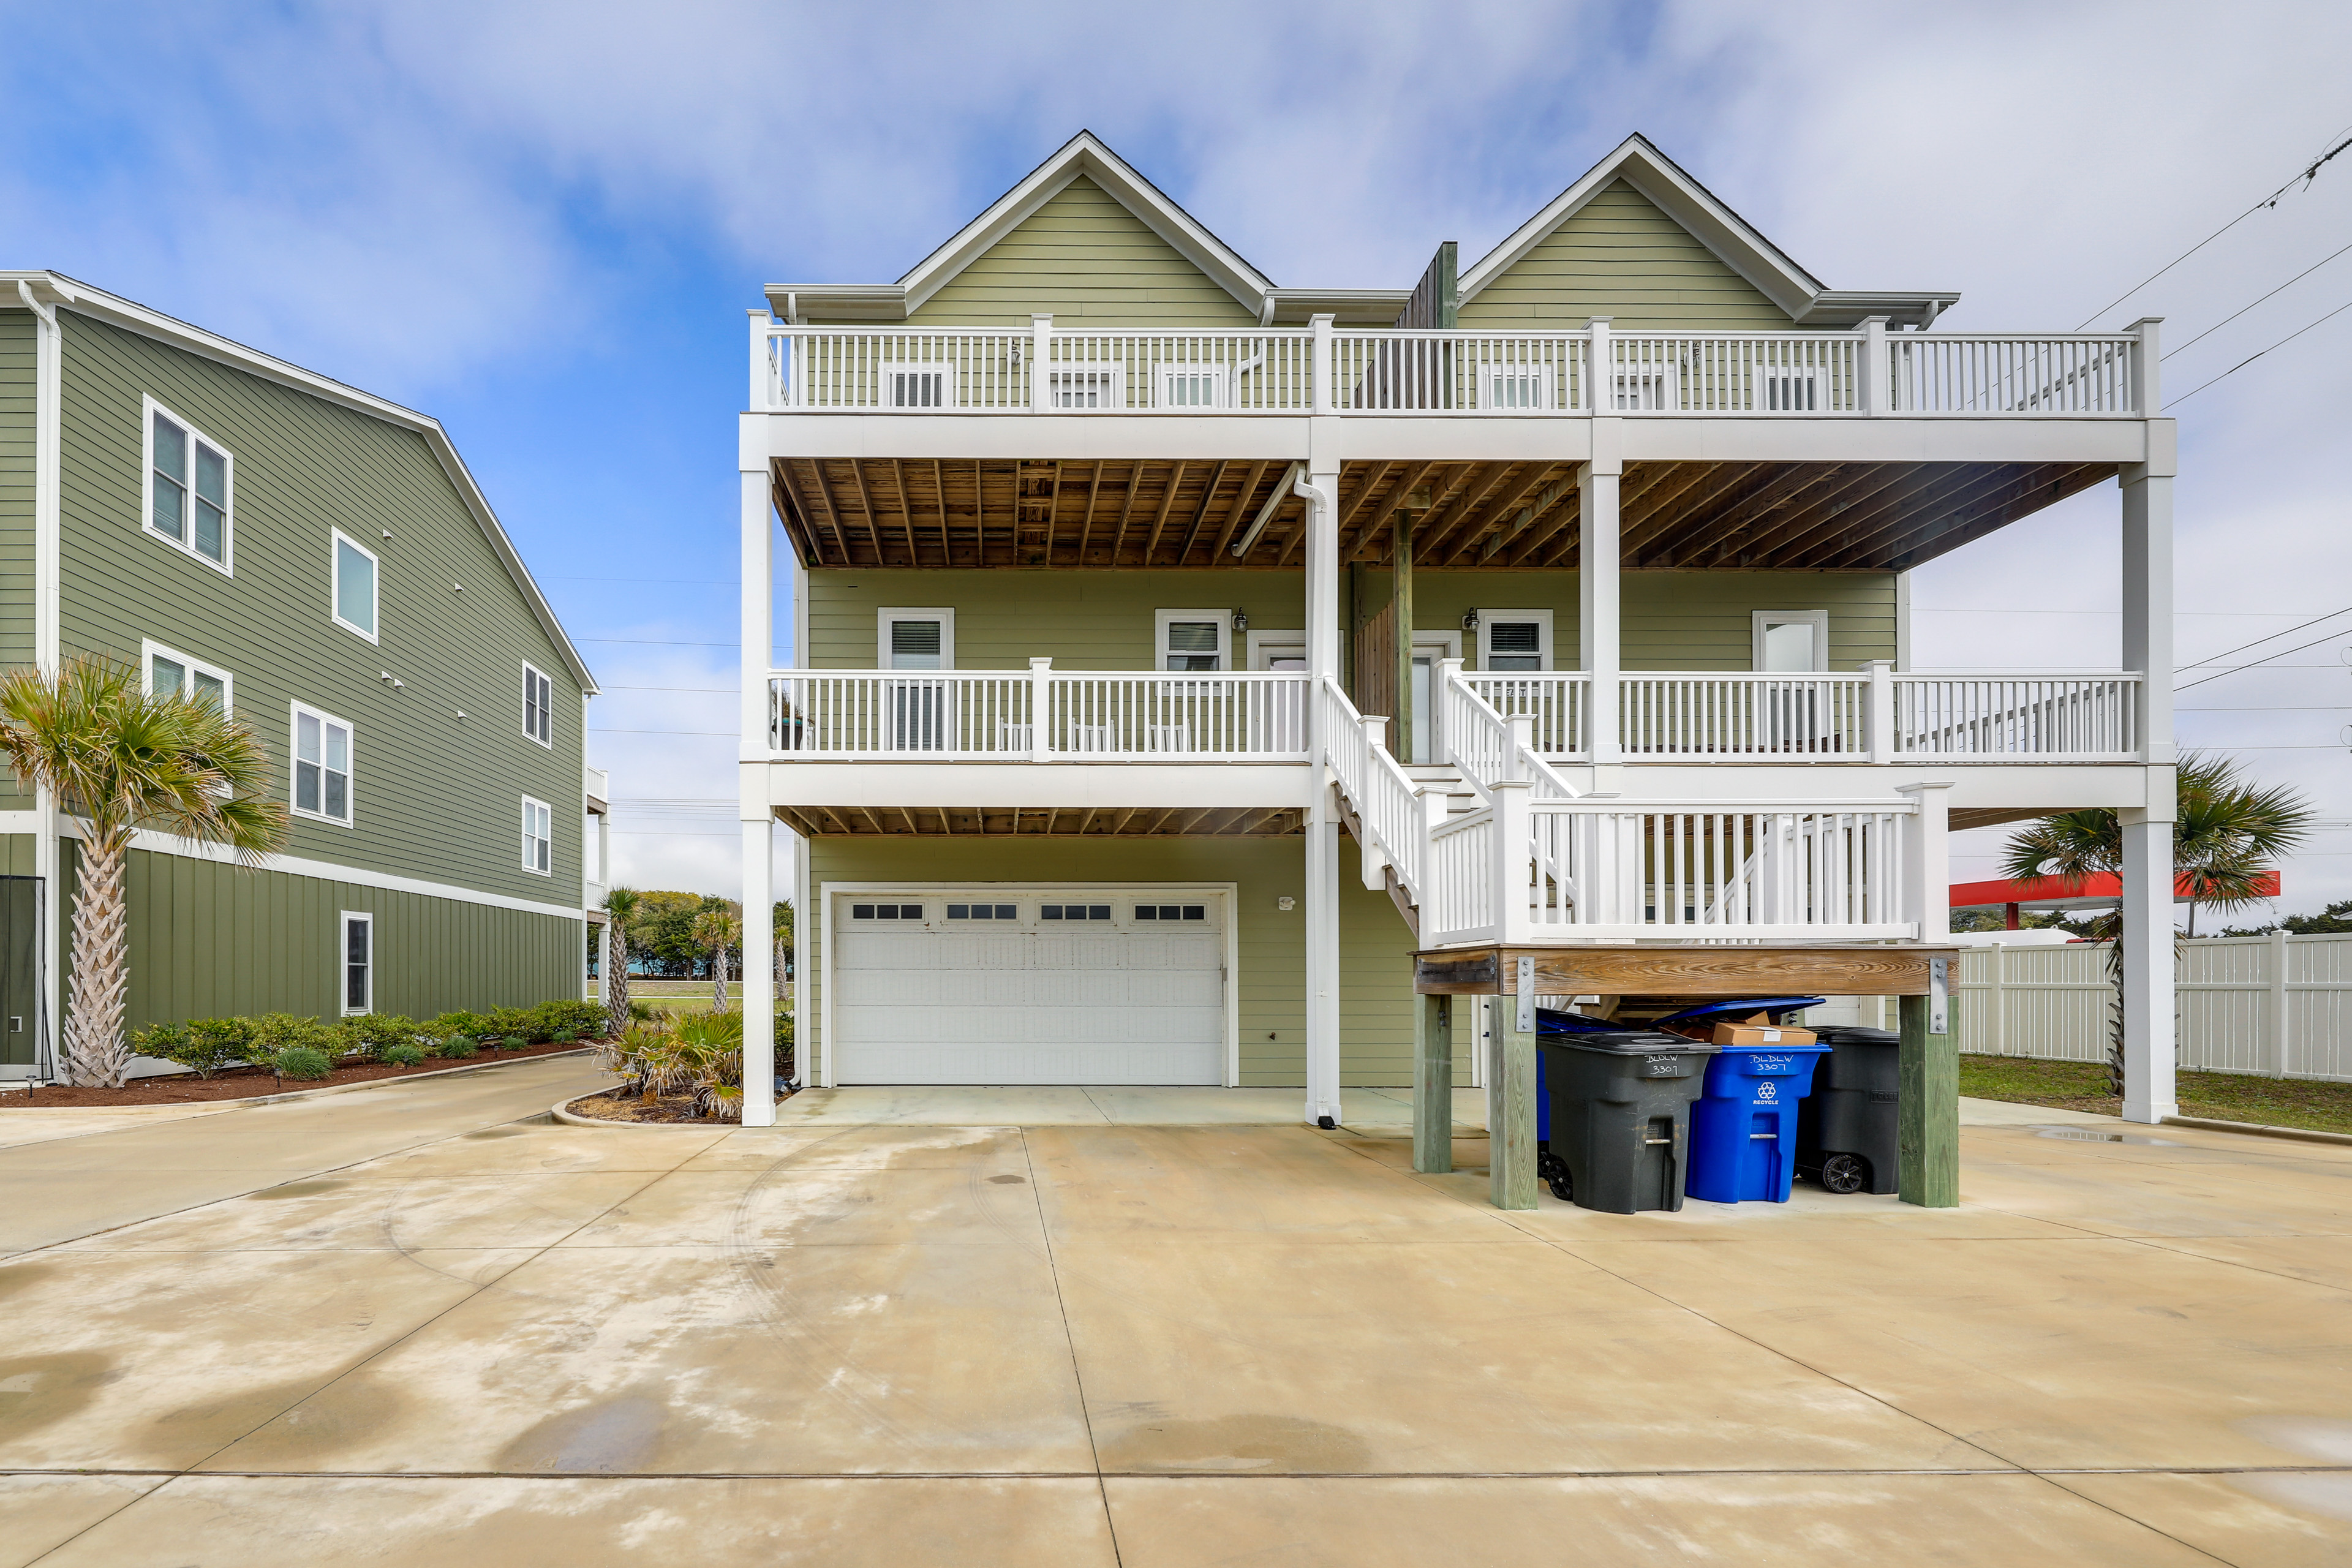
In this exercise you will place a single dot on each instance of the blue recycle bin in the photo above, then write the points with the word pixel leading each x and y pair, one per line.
pixel 1743 1133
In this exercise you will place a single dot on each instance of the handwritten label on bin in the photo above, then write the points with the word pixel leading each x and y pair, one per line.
pixel 1661 1067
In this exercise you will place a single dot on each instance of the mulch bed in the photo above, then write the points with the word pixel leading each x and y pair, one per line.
pixel 244 1083
pixel 624 1104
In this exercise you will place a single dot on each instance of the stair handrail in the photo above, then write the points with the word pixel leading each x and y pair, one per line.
pixel 1485 746
pixel 1384 797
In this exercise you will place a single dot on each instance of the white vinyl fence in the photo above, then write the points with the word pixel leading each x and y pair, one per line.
pixel 2278 1006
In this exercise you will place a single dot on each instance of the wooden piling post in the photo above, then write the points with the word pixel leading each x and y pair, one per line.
pixel 1929 1116
pixel 1432 1085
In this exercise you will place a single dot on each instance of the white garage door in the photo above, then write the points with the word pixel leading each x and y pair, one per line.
pixel 1049 986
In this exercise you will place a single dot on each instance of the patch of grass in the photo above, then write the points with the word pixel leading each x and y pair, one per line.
pixel 2223 1096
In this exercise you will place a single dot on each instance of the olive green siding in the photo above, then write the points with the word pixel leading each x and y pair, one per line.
pixel 19 855
pixel 1618 256
pixel 210 940
pixel 436 798
pixel 1103 620
pixel 1375 975
pixel 1091 263
pixel 18 387
pixel 1081 620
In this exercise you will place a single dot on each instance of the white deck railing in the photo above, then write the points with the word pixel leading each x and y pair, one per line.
pixel 990 715
pixel 1784 375
pixel 1389 804
pixel 1872 716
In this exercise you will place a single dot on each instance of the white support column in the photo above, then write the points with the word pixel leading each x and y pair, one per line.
pixel 1878 715
pixel 1927 861
pixel 1372 863
pixel 760 972
pixel 2148 834
pixel 758 643
pixel 1599 622
pixel 49 855
pixel 1870 371
pixel 1041 710
pixel 765 392
pixel 1319 372
pixel 1320 490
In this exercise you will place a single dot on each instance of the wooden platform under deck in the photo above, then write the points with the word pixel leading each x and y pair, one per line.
pixel 1694 970
pixel 1503 516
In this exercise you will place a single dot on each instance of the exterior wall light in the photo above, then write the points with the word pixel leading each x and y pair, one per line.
pixel 1469 620
pixel 1241 620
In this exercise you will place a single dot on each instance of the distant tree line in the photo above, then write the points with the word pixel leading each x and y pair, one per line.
pixel 663 943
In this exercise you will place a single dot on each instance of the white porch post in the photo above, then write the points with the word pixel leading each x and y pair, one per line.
pixel 2147 870
pixel 1598 624
pixel 759 642
pixel 1320 491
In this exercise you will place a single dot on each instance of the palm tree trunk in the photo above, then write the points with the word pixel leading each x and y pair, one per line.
pixel 96 1053
pixel 616 976
pixel 719 980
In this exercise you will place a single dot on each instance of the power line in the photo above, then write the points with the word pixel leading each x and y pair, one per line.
pixel 714 691
pixel 2258 642
pixel 2281 654
pixel 2177 402
pixel 681 582
pixel 2235 314
pixel 2307 176
pixel 722 734
pixel 660 642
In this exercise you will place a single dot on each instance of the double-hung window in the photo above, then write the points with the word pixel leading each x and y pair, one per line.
pixel 354 570
pixel 359 961
pixel 538 705
pixel 322 766
pixel 538 836
pixel 189 477
pixel 1514 640
pixel 167 670
pixel 1193 640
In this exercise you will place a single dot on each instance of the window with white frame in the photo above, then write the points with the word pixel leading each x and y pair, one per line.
pixel 1790 642
pixel 538 836
pixel 354 585
pixel 1086 386
pixel 1791 388
pixel 537 707
pixel 359 962
pixel 1193 640
pixel 1647 388
pixel 322 766
pixel 1514 387
pixel 188 502
pixel 915 638
pixel 166 669
pixel 1191 385
pixel 919 387
pixel 1514 639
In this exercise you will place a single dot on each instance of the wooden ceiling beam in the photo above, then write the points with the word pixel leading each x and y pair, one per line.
pixel 1200 512
pixel 1503 499
pixel 1639 538
pixel 1087 523
pixel 1468 493
pixel 1244 503
pixel 1702 529
pixel 1861 535
pixel 1167 503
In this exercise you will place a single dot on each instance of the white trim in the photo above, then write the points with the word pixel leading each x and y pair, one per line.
pixel 546 700
pixel 1083 155
pixel 890 613
pixel 822 895
pixel 531 804
pixel 1760 619
pixel 1110 375
pixel 1218 376
pixel 351 764
pixel 893 378
pixel 335 586
pixel 1535 379
pixel 1258 647
pixel 1223 619
pixel 148 648
pixel 155 843
pixel 148 409
pixel 343 961
pixel 1486 619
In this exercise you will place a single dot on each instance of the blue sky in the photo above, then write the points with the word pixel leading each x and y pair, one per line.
pixel 542 223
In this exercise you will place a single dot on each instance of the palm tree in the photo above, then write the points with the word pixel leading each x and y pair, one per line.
pixel 119 758
pixel 719 931
pixel 620 908
pixel 2226 833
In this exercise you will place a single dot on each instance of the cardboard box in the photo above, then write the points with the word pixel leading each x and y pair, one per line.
pixel 1760 1035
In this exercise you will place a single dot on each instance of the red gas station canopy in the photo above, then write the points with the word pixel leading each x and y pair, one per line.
pixel 2091 893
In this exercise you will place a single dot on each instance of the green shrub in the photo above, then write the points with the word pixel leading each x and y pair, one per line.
pixel 274 1032
pixel 640 1012
pixel 376 1033
pixel 404 1056
pixel 511 1025
pixel 467 1023
pixel 567 1020
pixel 458 1048
pixel 304 1062
pixel 205 1046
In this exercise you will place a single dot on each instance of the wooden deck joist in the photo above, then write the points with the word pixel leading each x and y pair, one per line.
pixel 1688 969
pixel 1026 822
pixel 1497 516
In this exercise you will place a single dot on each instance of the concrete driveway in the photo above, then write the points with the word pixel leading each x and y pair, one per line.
pixel 439 1334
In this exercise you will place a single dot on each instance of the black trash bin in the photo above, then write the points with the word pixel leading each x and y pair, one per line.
pixel 1620 1117
pixel 1849 1127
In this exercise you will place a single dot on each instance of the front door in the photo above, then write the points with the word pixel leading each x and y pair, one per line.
pixel 20 976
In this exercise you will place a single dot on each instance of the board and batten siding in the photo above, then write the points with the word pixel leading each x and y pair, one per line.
pixel 1375 973
pixel 1103 620
pixel 1620 255
pixel 1091 263
pixel 436 798
pixel 211 941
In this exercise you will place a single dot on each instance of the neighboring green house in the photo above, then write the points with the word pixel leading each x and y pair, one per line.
pixel 1105 546
pixel 321 562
